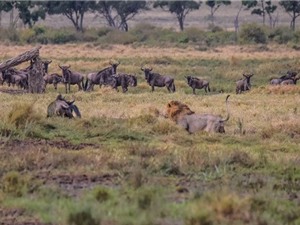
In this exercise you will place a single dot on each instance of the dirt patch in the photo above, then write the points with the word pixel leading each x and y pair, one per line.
pixel 13 217
pixel 23 145
pixel 73 184
pixel 13 92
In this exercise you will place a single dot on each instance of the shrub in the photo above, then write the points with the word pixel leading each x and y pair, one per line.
pixel 13 183
pixel 102 194
pixel 252 33
pixel 21 114
pixel 27 36
pixel 281 35
pixel 82 217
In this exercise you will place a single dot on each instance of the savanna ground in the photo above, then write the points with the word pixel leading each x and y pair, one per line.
pixel 124 164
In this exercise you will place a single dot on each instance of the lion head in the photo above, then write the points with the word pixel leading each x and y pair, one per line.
pixel 176 110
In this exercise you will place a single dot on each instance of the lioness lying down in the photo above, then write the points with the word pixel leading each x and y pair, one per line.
pixel 192 122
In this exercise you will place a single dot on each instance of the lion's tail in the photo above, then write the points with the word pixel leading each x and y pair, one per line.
pixel 227 108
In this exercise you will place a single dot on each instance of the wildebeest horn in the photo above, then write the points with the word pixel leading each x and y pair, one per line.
pixel 150 69
pixel 142 68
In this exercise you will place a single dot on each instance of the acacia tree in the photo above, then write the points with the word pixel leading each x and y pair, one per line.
pixel 214 5
pixel 30 12
pixel 180 8
pixel 118 13
pixel 73 10
pixel 293 9
pixel 261 8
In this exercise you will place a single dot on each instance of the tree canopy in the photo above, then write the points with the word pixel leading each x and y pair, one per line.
pixel 293 9
pixel 73 10
pixel 180 8
pixel 214 6
pixel 118 13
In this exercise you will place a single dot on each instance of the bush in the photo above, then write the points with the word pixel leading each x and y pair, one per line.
pixel 252 34
pixel 82 217
pixel 14 184
pixel 281 35
pixel 21 114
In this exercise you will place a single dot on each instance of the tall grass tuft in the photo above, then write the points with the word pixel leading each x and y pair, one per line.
pixel 22 114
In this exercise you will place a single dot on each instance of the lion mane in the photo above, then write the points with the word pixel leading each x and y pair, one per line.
pixel 176 110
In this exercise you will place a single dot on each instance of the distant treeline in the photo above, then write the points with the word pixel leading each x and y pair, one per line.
pixel 149 35
pixel 118 13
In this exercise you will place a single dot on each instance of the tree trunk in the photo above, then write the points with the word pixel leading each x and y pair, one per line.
pixel 0 18
pixel 35 78
pixel 180 20
pixel 36 81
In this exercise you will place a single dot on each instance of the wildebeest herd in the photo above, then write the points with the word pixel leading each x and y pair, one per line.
pixel 177 111
pixel 109 77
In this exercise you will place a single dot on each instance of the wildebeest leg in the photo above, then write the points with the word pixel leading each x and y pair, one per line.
pixel 79 87
pixel 194 90
pixel 55 85
pixel 66 87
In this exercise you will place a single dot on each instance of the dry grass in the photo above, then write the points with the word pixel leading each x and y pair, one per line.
pixel 133 140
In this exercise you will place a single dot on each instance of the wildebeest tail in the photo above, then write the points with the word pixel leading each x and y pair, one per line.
pixel 84 85
pixel 76 110
pixel 227 109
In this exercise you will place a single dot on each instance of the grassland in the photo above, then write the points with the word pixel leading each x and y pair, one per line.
pixel 123 164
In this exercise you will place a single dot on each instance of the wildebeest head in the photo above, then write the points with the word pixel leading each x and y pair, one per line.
pixel 114 66
pixel 46 65
pixel 146 71
pixel 65 72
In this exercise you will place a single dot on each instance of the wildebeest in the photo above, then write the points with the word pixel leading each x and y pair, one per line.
pixel 14 77
pixel 46 65
pixel 123 80
pixel 155 79
pixel 197 83
pixel 243 84
pixel 100 77
pixel 62 107
pixel 289 76
pixel 291 81
pixel 53 78
pixel 71 78
pixel 192 122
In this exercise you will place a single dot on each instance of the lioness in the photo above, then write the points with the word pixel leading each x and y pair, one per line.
pixel 192 122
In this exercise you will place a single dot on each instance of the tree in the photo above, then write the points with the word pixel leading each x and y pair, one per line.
pixel 261 8
pixel 30 12
pixel 73 10
pixel 180 8
pixel 118 13
pixel 293 9
pixel 7 6
pixel 214 6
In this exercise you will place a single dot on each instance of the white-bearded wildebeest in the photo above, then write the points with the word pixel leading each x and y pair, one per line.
pixel 46 65
pixel 100 77
pixel 291 81
pixel 197 83
pixel 53 78
pixel 123 80
pixel 71 78
pixel 157 80
pixel 62 107
pixel 15 77
pixel 243 84
pixel 289 76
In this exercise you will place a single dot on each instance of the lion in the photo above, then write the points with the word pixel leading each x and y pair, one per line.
pixel 192 122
